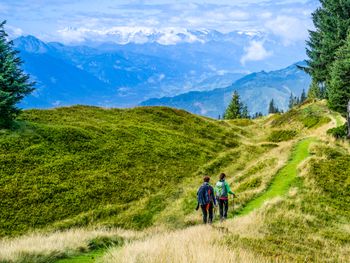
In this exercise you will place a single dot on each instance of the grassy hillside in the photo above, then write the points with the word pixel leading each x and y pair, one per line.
pixel 79 165
pixel 292 206
pixel 291 179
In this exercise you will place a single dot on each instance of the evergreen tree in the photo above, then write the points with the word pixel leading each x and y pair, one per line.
pixel 14 84
pixel 234 109
pixel 257 115
pixel 245 112
pixel 339 89
pixel 273 108
pixel 302 96
pixel 332 22
pixel 314 91
pixel 291 102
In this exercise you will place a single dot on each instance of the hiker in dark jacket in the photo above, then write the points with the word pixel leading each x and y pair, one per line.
pixel 222 190
pixel 206 200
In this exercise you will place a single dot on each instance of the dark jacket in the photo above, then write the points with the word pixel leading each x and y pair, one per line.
pixel 205 194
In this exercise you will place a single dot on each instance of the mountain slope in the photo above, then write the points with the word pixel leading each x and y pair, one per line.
pixel 131 73
pixel 308 220
pixel 58 83
pixel 256 90
pixel 73 166
pixel 125 78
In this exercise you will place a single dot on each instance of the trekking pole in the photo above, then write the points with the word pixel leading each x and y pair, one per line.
pixel 214 213
pixel 233 204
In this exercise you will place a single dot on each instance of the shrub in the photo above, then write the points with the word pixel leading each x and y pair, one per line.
pixel 282 135
pixel 339 132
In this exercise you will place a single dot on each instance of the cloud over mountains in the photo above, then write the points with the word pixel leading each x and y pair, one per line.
pixel 73 22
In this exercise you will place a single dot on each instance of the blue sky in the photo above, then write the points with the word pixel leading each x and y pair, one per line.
pixel 70 21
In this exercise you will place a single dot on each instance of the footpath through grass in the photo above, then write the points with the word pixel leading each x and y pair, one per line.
pixel 283 179
pixel 89 257
pixel 279 186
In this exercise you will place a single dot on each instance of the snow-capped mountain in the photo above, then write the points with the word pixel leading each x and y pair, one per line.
pixel 141 35
pixel 124 75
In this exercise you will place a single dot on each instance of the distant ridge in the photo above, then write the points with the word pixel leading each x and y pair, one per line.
pixel 256 90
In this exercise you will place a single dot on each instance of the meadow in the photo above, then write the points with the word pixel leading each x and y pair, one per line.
pixel 291 179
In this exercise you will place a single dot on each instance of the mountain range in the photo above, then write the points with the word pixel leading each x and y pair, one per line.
pixel 124 74
pixel 256 91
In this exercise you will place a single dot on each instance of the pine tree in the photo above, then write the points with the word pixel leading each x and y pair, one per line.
pixel 314 91
pixel 234 109
pixel 257 115
pixel 245 112
pixel 332 22
pixel 302 96
pixel 339 89
pixel 291 102
pixel 273 108
pixel 14 84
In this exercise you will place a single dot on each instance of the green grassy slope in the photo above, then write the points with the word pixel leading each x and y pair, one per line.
pixel 283 179
pixel 167 151
pixel 80 165
pixel 311 225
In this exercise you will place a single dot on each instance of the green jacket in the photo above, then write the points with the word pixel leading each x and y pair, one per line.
pixel 228 189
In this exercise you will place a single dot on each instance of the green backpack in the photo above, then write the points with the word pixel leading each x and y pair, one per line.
pixel 221 190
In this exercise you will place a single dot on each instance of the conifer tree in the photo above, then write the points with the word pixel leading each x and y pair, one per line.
pixel 234 109
pixel 245 112
pixel 339 89
pixel 14 84
pixel 272 107
pixel 291 102
pixel 314 91
pixel 302 96
pixel 332 22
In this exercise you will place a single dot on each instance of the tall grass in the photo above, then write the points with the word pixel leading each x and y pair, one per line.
pixel 195 244
pixel 39 247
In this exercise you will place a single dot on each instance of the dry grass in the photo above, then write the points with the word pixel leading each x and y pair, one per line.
pixel 194 244
pixel 221 242
pixel 54 244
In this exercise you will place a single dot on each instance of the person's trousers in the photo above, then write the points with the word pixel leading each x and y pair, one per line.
pixel 223 207
pixel 207 210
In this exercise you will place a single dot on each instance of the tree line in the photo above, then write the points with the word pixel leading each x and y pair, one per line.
pixel 328 49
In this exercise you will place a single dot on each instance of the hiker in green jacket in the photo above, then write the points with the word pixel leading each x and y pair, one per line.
pixel 222 190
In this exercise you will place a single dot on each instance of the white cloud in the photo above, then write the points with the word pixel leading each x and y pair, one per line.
pixel 13 32
pixel 255 52
pixel 239 15
pixel 127 34
pixel 92 19
pixel 290 29
pixel 169 39
pixel 72 35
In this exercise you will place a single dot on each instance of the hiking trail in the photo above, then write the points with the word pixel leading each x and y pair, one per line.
pixel 279 186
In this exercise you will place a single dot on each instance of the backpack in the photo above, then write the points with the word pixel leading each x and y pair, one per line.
pixel 221 190
pixel 203 195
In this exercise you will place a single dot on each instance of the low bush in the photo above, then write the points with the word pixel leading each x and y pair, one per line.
pixel 339 132
pixel 282 135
